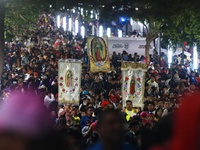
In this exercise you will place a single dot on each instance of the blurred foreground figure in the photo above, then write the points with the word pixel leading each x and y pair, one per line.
pixel 186 123
pixel 186 132
pixel 110 130
pixel 24 124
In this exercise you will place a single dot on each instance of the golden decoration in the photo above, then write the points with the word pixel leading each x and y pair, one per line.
pixel 133 65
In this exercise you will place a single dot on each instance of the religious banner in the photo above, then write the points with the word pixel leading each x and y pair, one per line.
pixel 98 54
pixel 69 81
pixel 133 80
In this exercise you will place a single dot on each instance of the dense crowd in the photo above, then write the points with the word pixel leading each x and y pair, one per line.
pixel 31 67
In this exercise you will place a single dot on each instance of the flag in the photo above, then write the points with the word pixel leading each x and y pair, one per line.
pixel 98 54
pixel 133 80
pixel 69 80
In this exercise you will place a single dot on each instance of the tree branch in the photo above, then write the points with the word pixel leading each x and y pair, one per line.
pixel 6 8
pixel 146 28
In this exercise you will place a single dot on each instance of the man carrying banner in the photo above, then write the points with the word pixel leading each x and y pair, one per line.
pixel 130 111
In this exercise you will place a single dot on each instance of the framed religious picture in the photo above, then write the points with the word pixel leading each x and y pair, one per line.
pixel 98 54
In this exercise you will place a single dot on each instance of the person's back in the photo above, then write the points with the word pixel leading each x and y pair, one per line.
pixel 99 146
pixel 114 57
pixel 114 60
pixel 110 130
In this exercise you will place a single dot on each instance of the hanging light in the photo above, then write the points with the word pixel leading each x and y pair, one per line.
pixel 108 32
pixel 81 11
pixel 195 57
pixel 170 53
pixel 70 24
pixel 100 31
pixel 76 26
pixel 91 14
pixel 131 21
pixel 119 33
pixel 64 23
pixel 58 21
pixel 83 31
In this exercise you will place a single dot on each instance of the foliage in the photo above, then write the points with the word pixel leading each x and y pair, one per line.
pixel 177 20
pixel 20 16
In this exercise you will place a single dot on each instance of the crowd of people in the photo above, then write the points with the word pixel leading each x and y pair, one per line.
pixel 31 67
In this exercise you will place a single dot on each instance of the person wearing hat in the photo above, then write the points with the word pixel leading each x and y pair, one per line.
pixel 145 118
pixel 105 105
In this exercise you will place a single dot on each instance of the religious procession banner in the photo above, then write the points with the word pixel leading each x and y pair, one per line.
pixel 69 80
pixel 98 54
pixel 133 80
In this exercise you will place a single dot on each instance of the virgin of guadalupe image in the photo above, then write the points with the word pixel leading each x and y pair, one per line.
pixel 69 78
pixel 98 49
pixel 132 86
pixel 98 52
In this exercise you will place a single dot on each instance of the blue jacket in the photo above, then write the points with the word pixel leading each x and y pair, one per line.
pixel 84 121
pixel 193 80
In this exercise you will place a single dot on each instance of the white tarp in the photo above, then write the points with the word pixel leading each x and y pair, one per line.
pixel 131 45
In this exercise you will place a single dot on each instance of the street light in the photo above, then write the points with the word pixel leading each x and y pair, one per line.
pixel 119 33
pixel 64 23
pixel 91 15
pixel 58 21
pixel 100 31
pixel 108 32
pixel 170 53
pixel 70 24
pixel 76 26
pixel 83 32
pixel 131 21
pixel 81 11
pixel 195 57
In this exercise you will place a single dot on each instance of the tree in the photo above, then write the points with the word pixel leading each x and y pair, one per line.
pixel 14 17
pixel 144 11
pixel 154 15
pixel 184 26
pixel 20 16
pixel 177 20
pixel 1 36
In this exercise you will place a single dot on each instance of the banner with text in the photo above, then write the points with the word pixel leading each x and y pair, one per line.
pixel 69 80
pixel 130 45
pixel 98 54
pixel 133 80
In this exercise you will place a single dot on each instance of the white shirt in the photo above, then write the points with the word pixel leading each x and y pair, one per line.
pixel 48 100
pixel 153 84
